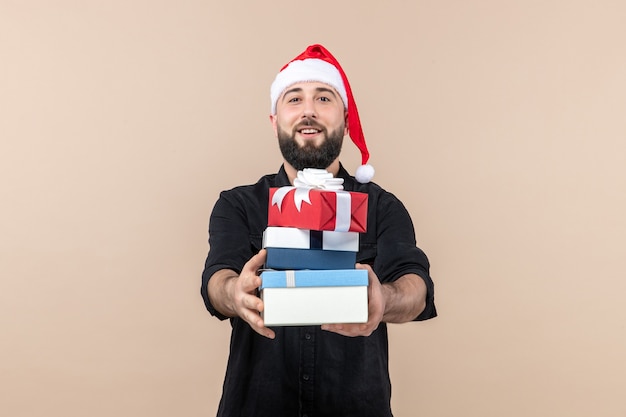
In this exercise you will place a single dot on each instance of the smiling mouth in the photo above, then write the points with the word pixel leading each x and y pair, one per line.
pixel 309 131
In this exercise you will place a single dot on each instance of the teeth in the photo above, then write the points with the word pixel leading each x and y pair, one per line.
pixel 309 130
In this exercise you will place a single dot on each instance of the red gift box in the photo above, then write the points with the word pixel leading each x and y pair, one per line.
pixel 317 209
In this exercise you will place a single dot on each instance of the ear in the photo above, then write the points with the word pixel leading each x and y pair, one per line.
pixel 273 121
pixel 346 129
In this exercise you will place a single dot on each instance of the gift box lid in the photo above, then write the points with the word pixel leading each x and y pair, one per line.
pixel 304 259
pixel 296 238
pixel 318 209
pixel 314 278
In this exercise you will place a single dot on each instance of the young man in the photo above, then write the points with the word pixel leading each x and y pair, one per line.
pixel 333 369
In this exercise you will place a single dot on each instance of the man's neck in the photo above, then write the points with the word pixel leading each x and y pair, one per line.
pixel 292 173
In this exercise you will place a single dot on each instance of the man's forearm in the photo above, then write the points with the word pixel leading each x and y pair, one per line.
pixel 219 294
pixel 405 298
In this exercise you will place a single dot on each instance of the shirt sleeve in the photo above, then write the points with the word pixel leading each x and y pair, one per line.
pixel 229 242
pixel 397 252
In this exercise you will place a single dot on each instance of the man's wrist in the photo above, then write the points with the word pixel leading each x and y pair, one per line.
pixel 220 291
pixel 388 292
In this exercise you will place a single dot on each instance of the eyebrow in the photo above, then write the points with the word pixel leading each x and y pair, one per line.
pixel 317 90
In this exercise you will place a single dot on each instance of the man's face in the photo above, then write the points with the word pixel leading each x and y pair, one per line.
pixel 310 125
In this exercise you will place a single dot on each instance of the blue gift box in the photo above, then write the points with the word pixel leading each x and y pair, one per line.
pixel 287 258
pixel 311 297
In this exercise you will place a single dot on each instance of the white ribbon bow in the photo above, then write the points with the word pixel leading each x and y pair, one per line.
pixel 308 179
pixel 318 178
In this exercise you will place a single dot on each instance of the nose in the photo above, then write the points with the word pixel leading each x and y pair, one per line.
pixel 309 109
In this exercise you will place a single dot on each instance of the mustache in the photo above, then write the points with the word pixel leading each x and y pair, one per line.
pixel 309 122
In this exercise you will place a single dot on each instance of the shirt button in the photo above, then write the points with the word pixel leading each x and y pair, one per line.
pixel 305 377
pixel 307 336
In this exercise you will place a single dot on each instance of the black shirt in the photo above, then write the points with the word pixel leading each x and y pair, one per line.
pixel 305 371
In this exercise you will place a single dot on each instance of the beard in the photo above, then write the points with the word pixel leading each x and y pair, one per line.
pixel 310 155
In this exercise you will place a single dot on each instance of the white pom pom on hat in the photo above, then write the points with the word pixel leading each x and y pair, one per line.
pixel 317 64
pixel 364 173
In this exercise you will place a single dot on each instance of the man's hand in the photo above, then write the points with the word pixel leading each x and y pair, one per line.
pixel 375 307
pixel 395 302
pixel 236 295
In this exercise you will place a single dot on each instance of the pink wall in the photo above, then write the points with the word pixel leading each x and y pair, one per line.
pixel 500 124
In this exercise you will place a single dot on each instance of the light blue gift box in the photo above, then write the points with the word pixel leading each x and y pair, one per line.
pixel 312 297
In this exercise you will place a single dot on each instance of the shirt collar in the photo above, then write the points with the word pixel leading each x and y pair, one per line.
pixel 282 180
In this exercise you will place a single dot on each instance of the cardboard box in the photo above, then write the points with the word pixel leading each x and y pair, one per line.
pixel 291 237
pixel 287 258
pixel 316 209
pixel 302 298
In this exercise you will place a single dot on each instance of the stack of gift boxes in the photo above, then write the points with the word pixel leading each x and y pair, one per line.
pixel 311 240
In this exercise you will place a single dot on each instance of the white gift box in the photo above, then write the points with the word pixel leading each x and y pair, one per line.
pixel 312 297
pixel 291 237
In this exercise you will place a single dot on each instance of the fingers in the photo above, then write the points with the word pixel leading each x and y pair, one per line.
pixel 253 317
pixel 376 300
pixel 371 275
pixel 262 330
pixel 250 306
pixel 249 279
pixel 351 329
pixel 374 310
pixel 363 266
pixel 249 282
pixel 257 261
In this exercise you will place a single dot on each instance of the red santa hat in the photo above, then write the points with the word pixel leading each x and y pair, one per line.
pixel 316 64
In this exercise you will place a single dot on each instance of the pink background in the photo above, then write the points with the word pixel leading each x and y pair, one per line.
pixel 500 124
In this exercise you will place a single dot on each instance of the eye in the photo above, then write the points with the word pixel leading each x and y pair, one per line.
pixel 324 98
pixel 293 100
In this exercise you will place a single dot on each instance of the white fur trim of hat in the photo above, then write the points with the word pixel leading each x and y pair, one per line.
pixel 308 70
